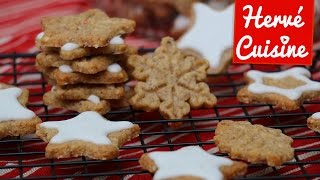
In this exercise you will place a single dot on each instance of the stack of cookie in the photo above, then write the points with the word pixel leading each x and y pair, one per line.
pixel 82 57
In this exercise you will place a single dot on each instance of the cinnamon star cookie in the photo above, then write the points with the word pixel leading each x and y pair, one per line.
pixel 92 28
pixel 15 118
pixel 286 89
pixel 191 163
pixel 88 134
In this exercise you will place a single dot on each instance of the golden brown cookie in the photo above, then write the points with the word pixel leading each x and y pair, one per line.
pixel 86 65
pixel 89 51
pixel 65 78
pixel 253 143
pixel 124 101
pixel 286 89
pixel 88 134
pixel 83 91
pixel 81 52
pixel 224 61
pixel 192 163
pixel 15 118
pixel 91 104
pixel 92 28
pixel 170 81
pixel 313 122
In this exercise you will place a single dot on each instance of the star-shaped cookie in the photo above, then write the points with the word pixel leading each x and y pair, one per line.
pixel 191 162
pixel 88 134
pixel 92 28
pixel 15 118
pixel 286 89
pixel 211 36
pixel 170 81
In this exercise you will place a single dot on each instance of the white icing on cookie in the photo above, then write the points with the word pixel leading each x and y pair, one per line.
pixel 211 33
pixel 181 23
pixel 93 98
pixel 116 40
pixel 70 47
pixel 39 36
pixel 302 74
pixel 65 69
pixel 88 126
pixel 188 161
pixel 316 115
pixel 114 68
pixel 10 107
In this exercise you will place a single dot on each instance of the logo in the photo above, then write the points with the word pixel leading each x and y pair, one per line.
pixel 273 32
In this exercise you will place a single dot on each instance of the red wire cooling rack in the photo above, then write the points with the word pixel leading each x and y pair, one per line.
pixel 23 157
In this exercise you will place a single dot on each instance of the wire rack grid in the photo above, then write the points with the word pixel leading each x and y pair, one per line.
pixel 23 157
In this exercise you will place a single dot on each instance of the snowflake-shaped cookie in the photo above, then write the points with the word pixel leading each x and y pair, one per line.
pixel 286 89
pixel 170 81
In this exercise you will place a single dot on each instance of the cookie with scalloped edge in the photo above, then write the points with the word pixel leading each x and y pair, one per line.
pixel 253 143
